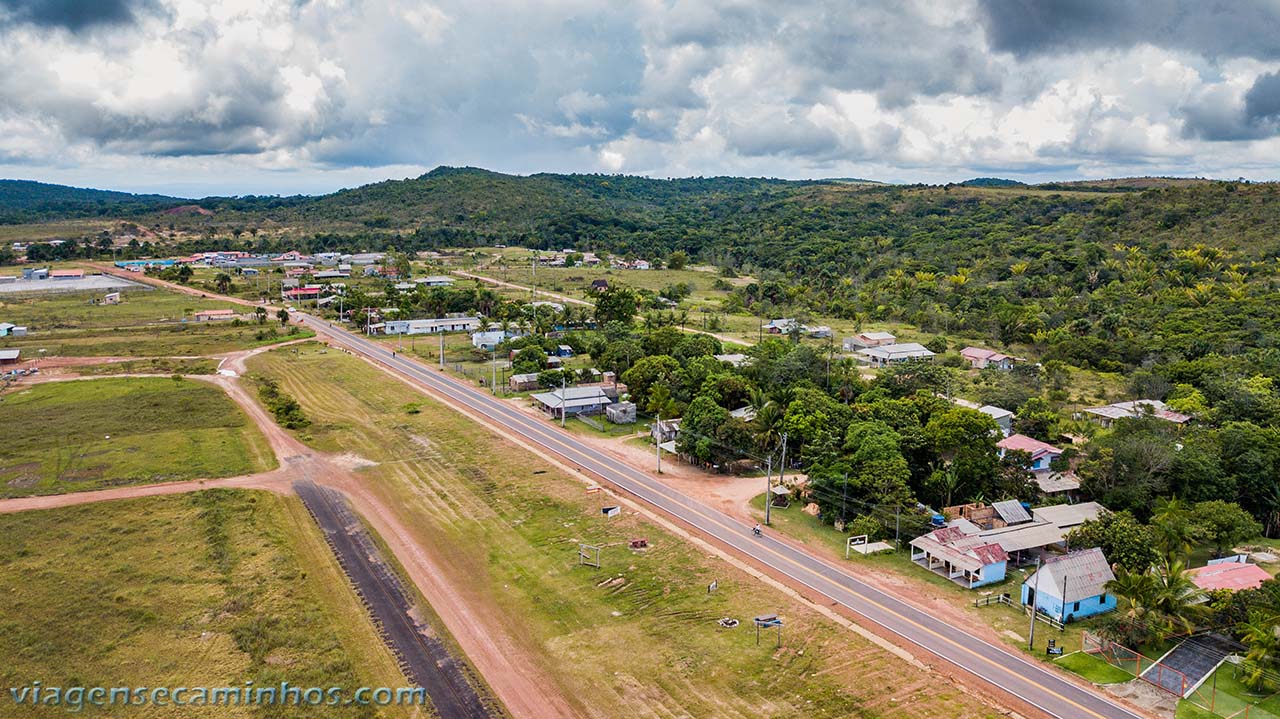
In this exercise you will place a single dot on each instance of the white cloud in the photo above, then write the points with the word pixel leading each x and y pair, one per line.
pixel 268 92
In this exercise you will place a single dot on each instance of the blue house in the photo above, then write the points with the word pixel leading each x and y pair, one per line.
pixel 1072 586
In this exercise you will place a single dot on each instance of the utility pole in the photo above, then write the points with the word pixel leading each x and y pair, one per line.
pixel 897 514
pixel 493 383
pixel 768 487
pixel 657 440
pixel 782 468
pixel 844 499
pixel 441 350
pixel 1035 597
pixel 562 386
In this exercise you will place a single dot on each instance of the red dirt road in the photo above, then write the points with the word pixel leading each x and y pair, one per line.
pixel 515 676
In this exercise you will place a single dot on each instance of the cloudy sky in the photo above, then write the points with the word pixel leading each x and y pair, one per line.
pixel 282 96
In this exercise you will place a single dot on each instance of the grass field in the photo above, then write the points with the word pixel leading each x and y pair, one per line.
pixel 638 637
pixel 208 589
pixel 90 434
pixel 174 340
pixel 1092 668
pixel 1230 698
pixel 42 313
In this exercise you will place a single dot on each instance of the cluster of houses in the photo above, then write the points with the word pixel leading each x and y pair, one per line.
pixel 787 325
pixel 560 258
pixel 9 329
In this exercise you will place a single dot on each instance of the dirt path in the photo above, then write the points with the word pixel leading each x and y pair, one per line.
pixel 144 279
pixel 274 481
pixel 515 677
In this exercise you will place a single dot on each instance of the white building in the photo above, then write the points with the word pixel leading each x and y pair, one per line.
pixel 885 355
pixel 432 326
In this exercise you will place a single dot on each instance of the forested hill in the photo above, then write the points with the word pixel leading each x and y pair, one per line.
pixel 27 201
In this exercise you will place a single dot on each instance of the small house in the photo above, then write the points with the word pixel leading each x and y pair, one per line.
pixel 9 329
pixel 66 274
pixel 621 412
pixel 599 285
pixel 1003 417
pixel 570 401
pixel 488 340
pixel 868 339
pixel 1072 586
pixel 665 430
pixel 821 332
pixel 523 382
pixel 734 360
pixel 780 326
pixel 9 356
pixel 885 355
pixel 564 351
pixel 1051 482
pixel 112 298
pixel 1231 574
pixel 1108 414
pixel 980 358
pixel 1042 453
pixel 435 281
pixel 967 559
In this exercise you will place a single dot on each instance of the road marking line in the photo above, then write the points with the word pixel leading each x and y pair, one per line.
pixel 537 433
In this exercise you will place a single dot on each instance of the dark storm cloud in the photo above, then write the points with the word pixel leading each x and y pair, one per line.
pixel 1219 118
pixel 73 15
pixel 1213 28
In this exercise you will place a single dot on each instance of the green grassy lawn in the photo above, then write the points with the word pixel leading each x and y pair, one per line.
pixel 1230 698
pixel 172 340
pixel 638 636
pixel 213 588
pixel 1092 668
pixel 153 365
pixel 75 310
pixel 91 434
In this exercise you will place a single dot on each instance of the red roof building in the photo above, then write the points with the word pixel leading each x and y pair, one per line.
pixel 1042 453
pixel 1232 576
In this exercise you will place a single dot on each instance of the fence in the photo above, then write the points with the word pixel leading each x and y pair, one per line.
pixel 1231 699
pixel 1006 600
pixel 1137 664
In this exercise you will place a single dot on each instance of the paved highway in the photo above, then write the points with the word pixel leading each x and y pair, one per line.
pixel 1014 674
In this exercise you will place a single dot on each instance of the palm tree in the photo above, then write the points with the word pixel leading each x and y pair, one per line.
pixel 222 281
pixel 1260 635
pixel 1135 592
pixel 1172 524
pixel 1177 601
pixel 768 425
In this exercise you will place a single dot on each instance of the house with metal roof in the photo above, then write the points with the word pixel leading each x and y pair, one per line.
pixel 432 326
pixel 980 358
pixel 1003 417
pixel 1068 516
pixel 570 401
pixel 966 559
pixel 1042 453
pixel 1051 482
pixel 885 355
pixel 1072 586
pixel 1231 574
pixel 867 339
pixel 1108 414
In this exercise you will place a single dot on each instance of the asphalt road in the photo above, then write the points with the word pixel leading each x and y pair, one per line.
pixel 1009 672
pixel 425 660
